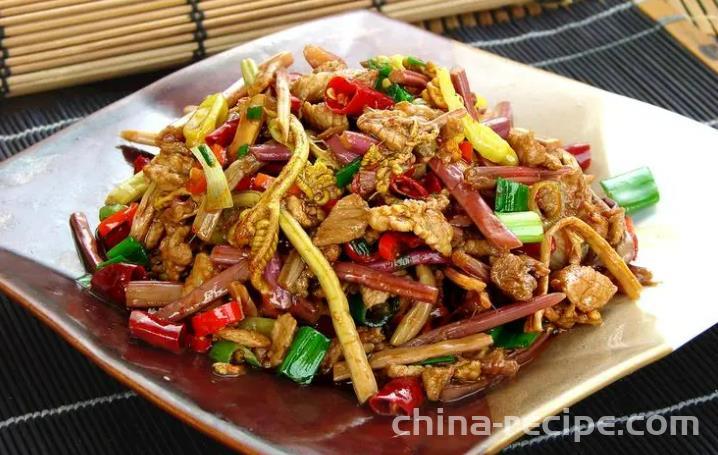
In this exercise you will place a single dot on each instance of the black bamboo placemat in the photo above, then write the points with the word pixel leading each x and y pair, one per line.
pixel 52 400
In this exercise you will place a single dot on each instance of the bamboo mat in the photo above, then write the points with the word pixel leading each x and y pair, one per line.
pixel 49 44
pixel 55 401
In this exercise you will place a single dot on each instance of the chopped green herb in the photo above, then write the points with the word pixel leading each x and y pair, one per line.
pixel 207 154
pixel 243 150
pixel 438 360
pixel 254 112
pixel 413 61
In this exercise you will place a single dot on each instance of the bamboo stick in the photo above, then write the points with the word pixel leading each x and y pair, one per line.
pixel 227 41
pixel 46 64
pixel 80 68
pixel 12 3
pixel 117 42
pixel 28 7
pixel 216 8
pixel 285 19
pixel 63 22
pixel 414 10
pixel 63 12
pixel 305 8
pixel 99 74
pixel 129 34
pixel 80 30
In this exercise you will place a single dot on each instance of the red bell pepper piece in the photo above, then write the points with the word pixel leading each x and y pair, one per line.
pixel 220 153
pixel 166 336
pixel 224 133
pixel 211 321
pixel 112 221
pixel 197 182
pixel 432 183
pixel 140 162
pixel 467 151
pixel 407 186
pixel 330 205
pixel 398 396
pixel 391 244
pixel 582 153
pixel 111 281
pixel 356 256
pixel 115 236
pixel 244 184
pixel 296 103
pixel 345 97
pixel 198 344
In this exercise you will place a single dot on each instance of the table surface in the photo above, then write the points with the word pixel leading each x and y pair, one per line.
pixel 53 400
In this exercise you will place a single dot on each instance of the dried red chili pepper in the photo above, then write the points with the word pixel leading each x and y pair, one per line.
pixel 224 133
pixel 211 321
pixel 111 281
pixel 392 244
pixel 582 153
pixel 351 98
pixel 407 186
pixel 140 162
pixel 166 336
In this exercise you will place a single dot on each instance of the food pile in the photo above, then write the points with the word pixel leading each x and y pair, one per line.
pixel 381 225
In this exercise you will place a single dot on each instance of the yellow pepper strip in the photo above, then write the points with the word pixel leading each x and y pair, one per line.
pixel 359 369
pixel 259 227
pixel 417 316
pixel 210 113
pixel 248 129
pixel 484 140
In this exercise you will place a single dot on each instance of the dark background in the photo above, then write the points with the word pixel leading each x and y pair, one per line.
pixel 54 400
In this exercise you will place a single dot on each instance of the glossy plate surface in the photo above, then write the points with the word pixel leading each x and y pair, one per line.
pixel 73 170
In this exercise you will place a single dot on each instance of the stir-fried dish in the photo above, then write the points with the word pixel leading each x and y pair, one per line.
pixel 380 225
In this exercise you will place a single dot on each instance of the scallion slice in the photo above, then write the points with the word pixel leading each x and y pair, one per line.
pixel 527 226
pixel 633 190
pixel 128 190
pixel 511 196
pixel 218 194
pixel 305 354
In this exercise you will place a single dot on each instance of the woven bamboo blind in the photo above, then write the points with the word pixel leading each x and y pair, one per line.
pixel 49 44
